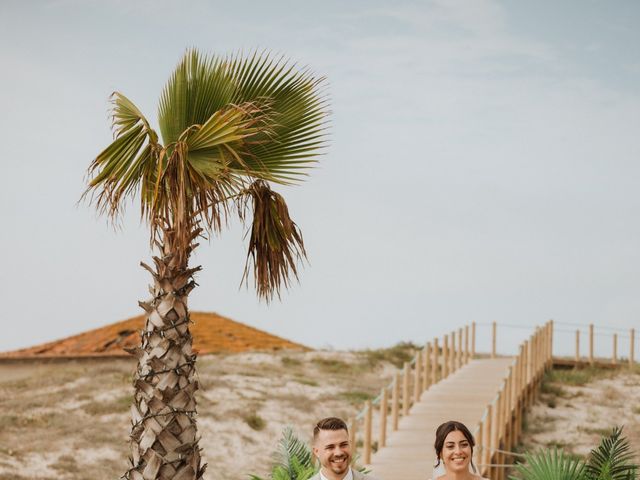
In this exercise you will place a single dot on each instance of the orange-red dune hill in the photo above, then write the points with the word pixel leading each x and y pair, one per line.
pixel 211 332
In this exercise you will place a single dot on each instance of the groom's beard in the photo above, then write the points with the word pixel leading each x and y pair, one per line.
pixel 339 463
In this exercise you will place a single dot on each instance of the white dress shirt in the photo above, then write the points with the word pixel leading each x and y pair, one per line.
pixel 348 476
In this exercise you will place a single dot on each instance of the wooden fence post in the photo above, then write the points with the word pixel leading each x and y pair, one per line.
pixel 445 357
pixel 503 430
pixel 614 356
pixel 383 418
pixel 479 442
pixel 498 427
pixel 488 444
pixel 366 448
pixel 426 382
pixel 473 340
pixel 529 355
pixel 509 409
pixel 395 402
pixel 452 351
pixel 435 365
pixel 519 384
pixel 550 343
pixel 591 344
pixel 417 377
pixel 459 356
pixel 577 346
pixel 632 347
pixel 545 345
pixel 493 340
pixel 405 390
pixel 466 344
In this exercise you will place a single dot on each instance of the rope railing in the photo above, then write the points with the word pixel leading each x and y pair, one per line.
pixel 592 334
pixel 590 343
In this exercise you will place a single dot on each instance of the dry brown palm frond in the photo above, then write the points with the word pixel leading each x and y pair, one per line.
pixel 275 244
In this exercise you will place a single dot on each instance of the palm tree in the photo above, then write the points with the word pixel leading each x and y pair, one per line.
pixel 230 127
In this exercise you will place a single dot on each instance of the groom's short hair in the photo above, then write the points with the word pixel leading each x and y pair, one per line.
pixel 329 423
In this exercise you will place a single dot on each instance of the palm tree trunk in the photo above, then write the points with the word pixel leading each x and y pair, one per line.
pixel 164 441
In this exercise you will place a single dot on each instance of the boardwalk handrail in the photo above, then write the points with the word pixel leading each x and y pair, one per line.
pixel 500 427
pixel 430 364
pixel 592 332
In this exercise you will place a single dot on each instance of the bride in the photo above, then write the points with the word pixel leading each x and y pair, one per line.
pixel 454 451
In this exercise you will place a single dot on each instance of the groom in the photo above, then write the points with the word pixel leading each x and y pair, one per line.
pixel 331 446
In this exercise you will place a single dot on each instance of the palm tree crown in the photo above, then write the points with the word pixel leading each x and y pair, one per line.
pixel 229 126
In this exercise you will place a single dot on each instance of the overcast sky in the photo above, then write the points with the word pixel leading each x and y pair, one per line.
pixel 483 164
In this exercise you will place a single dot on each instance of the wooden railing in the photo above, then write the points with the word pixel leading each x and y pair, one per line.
pixel 501 425
pixel 431 364
pixel 604 332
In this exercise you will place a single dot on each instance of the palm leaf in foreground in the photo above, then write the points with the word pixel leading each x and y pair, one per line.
pixel 291 450
pixel 293 459
pixel 612 459
pixel 549 465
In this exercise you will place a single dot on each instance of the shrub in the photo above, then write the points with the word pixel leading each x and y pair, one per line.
pixel 549 465
pixel 293 459
pixel 255 421
pixel 611 460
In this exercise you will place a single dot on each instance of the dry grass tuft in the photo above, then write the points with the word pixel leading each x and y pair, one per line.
pixel 356 397
pixel 255 421
pixel 66 464
pixel 396 355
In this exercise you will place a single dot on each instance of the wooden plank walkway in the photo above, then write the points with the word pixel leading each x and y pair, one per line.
pixel 463 396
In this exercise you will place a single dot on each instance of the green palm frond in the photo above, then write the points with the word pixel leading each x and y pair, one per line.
pixel 612 459
pixel 549 465
pixel 291 449
pixel 275 243
pixel 287 112
pixel 198 88
pixel 118 170
pixel 297 471
pixel 293 459
pixel 225 122
pixel 298 109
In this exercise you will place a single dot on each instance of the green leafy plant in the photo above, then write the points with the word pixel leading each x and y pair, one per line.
pixel 612 459
pixel 297 471
pixel 293 459
pixel 291 448
pixel 549 465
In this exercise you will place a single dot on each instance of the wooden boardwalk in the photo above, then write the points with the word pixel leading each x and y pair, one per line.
pixel 463 396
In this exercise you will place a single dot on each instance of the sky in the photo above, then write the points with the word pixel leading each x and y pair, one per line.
pixel 483 166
